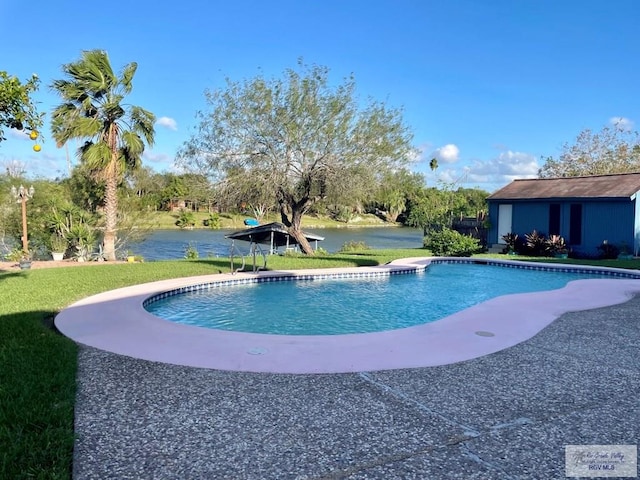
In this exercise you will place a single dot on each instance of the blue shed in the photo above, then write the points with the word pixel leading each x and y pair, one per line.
pixel 584 210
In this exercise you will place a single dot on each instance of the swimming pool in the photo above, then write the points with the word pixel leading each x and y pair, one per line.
pixel 338 306
pixel 116 321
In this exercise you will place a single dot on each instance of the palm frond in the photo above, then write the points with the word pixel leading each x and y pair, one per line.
pixel 133 143
pixel 93 111
pixel 97 156
pixel 142 122
pixel 127 76
pixel 113 111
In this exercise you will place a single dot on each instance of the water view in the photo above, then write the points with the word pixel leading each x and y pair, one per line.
pixel 171 244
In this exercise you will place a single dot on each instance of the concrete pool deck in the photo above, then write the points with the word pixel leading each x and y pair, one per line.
pixel 116 321
pixel 507 415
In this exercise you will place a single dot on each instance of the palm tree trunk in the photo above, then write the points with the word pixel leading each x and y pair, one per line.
pixel 111 218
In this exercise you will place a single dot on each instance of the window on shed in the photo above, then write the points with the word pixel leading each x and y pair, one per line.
pixel 554 219
pixel 575 224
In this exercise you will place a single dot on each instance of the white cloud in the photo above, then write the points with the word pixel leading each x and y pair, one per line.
pixel 494 173
pixel 622 123
pixel 416 155
pixel 45 164
pixel 449 153
pixel 157 158
pixel 453 176
pixel 504 168
pixel 167 122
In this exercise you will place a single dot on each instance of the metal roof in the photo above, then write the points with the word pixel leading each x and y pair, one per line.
pixel 275 234
pixel 623 185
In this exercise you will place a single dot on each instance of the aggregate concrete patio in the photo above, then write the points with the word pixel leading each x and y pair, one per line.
pixel 507 415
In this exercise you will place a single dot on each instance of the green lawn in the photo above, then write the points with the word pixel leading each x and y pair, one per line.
pixel 38 366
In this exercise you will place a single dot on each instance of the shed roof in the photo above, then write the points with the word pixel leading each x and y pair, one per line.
pixel 623 185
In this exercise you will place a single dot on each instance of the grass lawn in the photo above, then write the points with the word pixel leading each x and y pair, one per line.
pixel 38 366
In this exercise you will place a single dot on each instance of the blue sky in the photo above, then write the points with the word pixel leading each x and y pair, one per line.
pixel 488 87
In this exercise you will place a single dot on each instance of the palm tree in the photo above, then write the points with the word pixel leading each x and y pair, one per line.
pixel 114 134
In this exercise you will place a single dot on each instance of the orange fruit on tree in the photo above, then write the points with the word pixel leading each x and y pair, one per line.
pixel 37 148
pixel 33 135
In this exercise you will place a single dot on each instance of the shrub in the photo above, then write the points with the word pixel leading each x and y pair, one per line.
pixel 341 213
pixel 556 245
pixel 191 252
pixel 213 221
pixel 14 255
pixel 536 244
pixel 510 240
pixel 58 243
pixel 449 243
pixel 608 250
pixel 353 246
pixel 186 219
pixel 82 238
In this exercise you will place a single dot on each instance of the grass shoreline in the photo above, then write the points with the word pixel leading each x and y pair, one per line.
pixel 38 366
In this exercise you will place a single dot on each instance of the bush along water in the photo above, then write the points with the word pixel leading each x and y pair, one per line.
pixel 353 246
pixel 191 251
pixel 449 243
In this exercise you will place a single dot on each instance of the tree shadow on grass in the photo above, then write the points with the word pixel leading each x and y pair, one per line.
pixel 5 274
pixel 37 375
pixel 223 265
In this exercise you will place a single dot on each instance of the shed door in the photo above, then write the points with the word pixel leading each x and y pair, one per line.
pixel 504 220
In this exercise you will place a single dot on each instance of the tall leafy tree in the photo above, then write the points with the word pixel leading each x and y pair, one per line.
pixel 431 209
pixel 611 150
pixel 247 192
pixel 17 107
pixel 114 134
pixel 473 202
pixel 146 185
pixel 303 137
pixel 396 188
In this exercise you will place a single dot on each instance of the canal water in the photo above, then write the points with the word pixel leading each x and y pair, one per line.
pixel 171 244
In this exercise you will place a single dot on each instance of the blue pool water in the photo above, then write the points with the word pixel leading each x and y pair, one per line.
pixel 339 306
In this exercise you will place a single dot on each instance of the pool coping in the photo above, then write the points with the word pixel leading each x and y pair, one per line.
pixel 116 321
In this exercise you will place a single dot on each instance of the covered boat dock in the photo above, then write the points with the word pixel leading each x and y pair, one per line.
pixel 275 235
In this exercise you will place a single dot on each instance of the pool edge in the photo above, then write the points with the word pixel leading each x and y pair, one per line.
pixel 116 321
